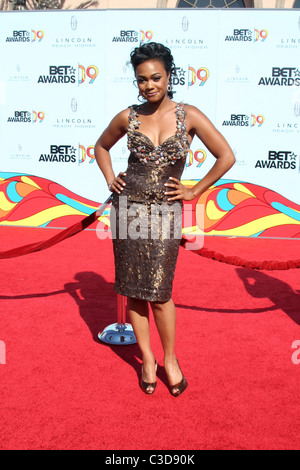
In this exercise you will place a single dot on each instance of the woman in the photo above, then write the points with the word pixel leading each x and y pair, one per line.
pixel 147 195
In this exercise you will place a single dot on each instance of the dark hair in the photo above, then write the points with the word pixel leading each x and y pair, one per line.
pixel 151 51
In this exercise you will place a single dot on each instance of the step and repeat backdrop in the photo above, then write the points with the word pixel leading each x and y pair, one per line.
pixel 65 74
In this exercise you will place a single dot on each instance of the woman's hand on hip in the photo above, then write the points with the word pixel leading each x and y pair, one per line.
pixel 117 184
pixel 178 190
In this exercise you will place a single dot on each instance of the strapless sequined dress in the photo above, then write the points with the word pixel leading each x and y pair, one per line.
pixel 146 227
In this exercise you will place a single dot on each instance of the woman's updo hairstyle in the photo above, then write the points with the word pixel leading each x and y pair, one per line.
pixel 151 51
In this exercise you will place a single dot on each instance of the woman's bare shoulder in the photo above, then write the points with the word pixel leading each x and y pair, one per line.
pixel 195 117
pixel 193 111
pixel 120 120
pixel 123 115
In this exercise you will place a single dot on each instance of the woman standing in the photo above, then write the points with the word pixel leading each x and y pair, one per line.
pixel 147 201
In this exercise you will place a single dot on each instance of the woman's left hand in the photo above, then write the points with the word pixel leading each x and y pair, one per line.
pixel 178 191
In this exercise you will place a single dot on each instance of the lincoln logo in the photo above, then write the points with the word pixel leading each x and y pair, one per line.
pixel 74 22
pixel 185 24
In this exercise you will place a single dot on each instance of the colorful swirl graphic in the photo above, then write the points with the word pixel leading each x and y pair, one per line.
pixel 31 201
pixel 229 208
pixel 236 208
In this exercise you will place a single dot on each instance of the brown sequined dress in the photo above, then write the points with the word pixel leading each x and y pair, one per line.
pixel 146 227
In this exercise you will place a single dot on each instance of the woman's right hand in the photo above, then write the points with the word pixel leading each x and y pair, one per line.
pixel 117 185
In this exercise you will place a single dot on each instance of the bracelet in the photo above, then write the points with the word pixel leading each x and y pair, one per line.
pixel 110 185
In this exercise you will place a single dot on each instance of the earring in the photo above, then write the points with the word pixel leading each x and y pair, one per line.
pixel 169 87
pixel 140 98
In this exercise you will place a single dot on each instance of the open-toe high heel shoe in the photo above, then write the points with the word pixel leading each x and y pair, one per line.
pixel 179 388
pixel 145 386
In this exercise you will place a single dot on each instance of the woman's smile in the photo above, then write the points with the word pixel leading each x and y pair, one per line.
pixel 152 79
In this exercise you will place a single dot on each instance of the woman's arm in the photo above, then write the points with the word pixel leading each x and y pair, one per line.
pixel 198 124
pixel 114 132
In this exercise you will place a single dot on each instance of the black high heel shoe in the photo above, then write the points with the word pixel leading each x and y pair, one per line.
pixel 179 388
pixel 145 385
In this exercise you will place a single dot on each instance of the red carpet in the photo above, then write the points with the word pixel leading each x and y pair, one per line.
pixel 61 388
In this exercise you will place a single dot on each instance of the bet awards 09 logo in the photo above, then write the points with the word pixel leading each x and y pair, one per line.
pixel 26 36
pixel 198 76
pixel 282 76
pixel 68 154
pixel 59 154
pixel 178 77
pixel 191 76
pixel 196 158
pixel 59 74
pixel 126 36
pixel 244 120
pixel 280 160
pixel 247 35
pixel 133 36
pixel 66 74
pixel 27 117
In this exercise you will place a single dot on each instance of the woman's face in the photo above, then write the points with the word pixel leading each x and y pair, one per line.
pixel 152 80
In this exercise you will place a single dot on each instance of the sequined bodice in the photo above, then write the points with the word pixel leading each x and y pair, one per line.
pixel 150 167
pixel 173 148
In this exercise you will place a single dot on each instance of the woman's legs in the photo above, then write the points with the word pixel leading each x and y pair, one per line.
pixel 165 320
pixel 139 318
